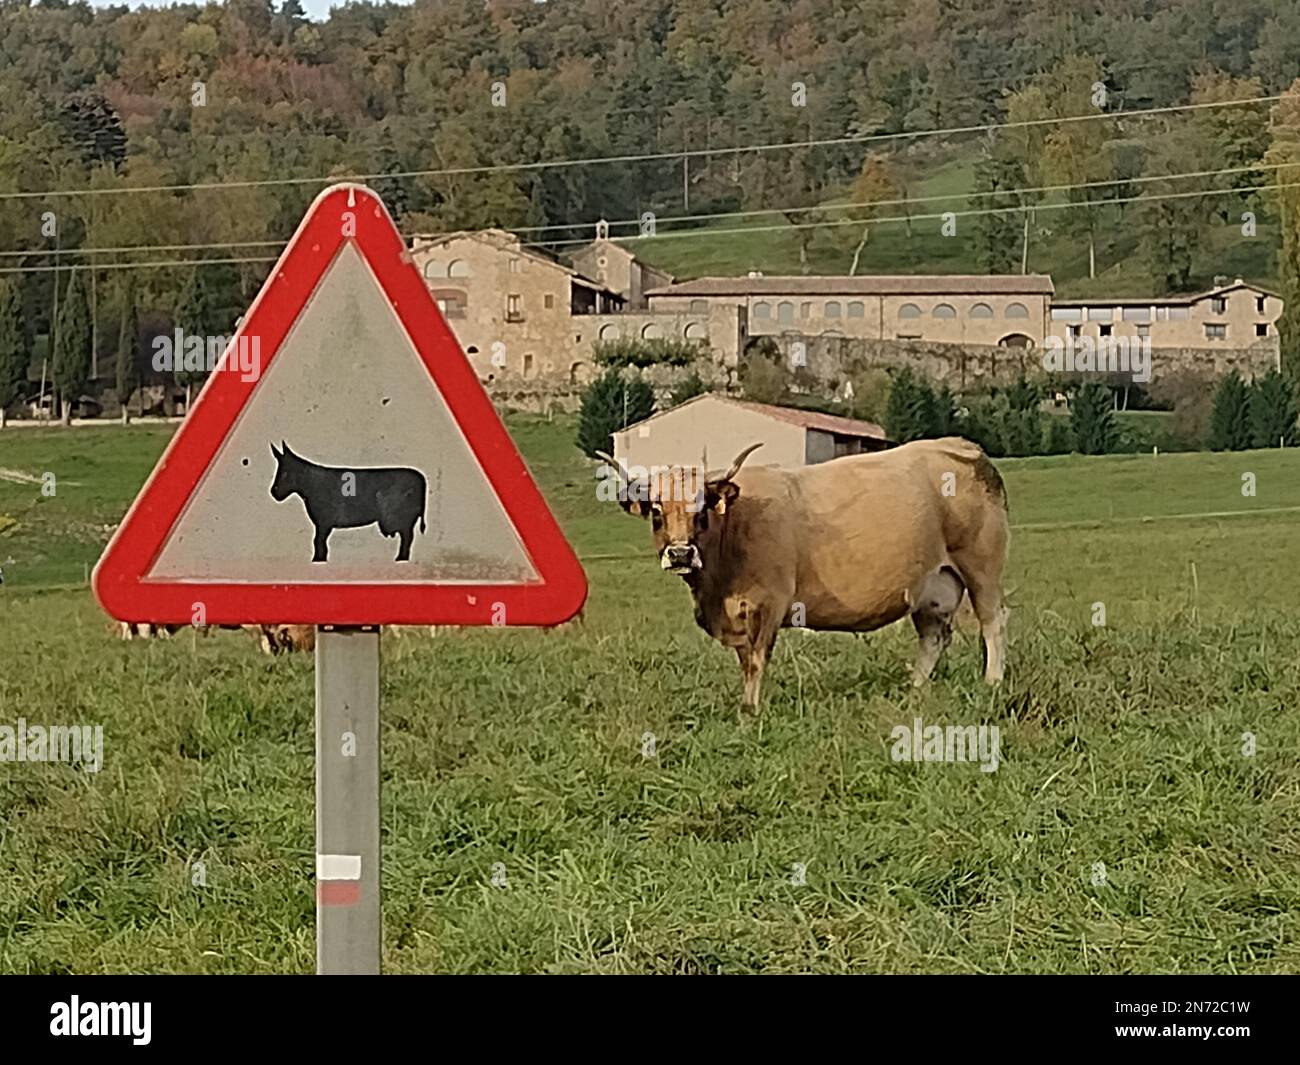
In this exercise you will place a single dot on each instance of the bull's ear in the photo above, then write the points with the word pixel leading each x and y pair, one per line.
pixel 719 495
pixel 635 498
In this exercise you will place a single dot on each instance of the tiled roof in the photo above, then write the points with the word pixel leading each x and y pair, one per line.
pixel 878 285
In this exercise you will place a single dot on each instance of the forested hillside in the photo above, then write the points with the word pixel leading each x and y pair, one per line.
pixel 424 99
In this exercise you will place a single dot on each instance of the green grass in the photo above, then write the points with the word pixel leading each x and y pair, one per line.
pixel 768 243
pixel 1121 745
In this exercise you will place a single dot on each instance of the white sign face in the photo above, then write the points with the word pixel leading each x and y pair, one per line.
pixel 346 465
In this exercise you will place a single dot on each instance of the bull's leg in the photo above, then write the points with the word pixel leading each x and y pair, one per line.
pixel 320 544
pixel 404 546
pixel 755 653
pixel 753 660
pixel 992 612
pixel 986 599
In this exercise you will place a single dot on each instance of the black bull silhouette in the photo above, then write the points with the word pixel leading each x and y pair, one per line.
pixel 340 498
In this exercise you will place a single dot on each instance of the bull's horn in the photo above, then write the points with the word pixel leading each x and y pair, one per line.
pixel 613 462
pixel 735 466
pixel 618 466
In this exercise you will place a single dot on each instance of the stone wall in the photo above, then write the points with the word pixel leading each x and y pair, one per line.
pixel 964 367
pixel 513 392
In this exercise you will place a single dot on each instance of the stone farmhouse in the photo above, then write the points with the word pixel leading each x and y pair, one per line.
pixel 1006 310
pixel 1235 315
pixel 524 316
pixel 520 313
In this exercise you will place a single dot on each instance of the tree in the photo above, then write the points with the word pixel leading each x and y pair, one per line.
pixel 875 183
pixel 997 233
pixel 1284 154
pixel 14 355
pixel 193 316
pixel 1076 153
pixel 610 403
pixel 128 339
pixel 764 378
pixel 915 410
pixel 71 363
pixel 1022 421
pixel 1273 412
pixel 1230 416
pixel 1171 227
pixel 1092 417
pixel 688 387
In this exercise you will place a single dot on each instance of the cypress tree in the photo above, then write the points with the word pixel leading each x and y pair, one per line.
pixel 71 363
pixel 1230 417
pixel 13 347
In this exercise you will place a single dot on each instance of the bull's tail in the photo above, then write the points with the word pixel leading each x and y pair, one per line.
pixel 981 467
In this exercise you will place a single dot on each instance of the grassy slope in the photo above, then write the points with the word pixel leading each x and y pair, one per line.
pixel 1121 746
pixel 1121 271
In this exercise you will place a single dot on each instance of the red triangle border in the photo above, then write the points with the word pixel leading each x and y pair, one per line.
pixel 118 579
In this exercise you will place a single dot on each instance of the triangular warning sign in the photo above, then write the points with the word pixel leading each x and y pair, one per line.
pixel 342 465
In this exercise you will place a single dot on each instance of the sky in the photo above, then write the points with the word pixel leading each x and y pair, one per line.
pixel 316 9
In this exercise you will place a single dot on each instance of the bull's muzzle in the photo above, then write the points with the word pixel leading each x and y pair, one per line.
pixel 680 558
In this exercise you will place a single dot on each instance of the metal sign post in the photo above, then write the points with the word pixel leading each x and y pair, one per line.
pixel 339 413
pixel 349 920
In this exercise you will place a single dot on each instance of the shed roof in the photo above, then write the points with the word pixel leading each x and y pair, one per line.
pixel 805 419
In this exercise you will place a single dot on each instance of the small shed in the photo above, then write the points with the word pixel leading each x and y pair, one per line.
pixel 712 429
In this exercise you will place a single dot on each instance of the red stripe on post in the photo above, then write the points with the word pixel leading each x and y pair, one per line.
pixel 338 892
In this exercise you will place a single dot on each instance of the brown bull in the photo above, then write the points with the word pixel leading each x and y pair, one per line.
pixel 849 545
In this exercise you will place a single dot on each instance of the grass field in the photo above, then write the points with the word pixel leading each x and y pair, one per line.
pixel 1122 745
pixel 943 183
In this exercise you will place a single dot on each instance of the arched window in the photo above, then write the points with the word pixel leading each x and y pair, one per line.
pixel 697 331
pixel 762 310
pixel 856 309
pixel 1017 310
pixel 608 331
pixel 458 268
pixel 981 310
pixel 832 309
pixel 650 331
pixel 909 310
pixel 574 370
pixel 433 268
pixel 944 310
pixel 785 312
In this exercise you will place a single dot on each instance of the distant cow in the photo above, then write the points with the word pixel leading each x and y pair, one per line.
pixel 144 630
pixel 277 638
pixel 340 498
pixel 848 545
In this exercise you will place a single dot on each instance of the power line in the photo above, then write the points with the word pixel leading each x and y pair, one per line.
pixel 133 266
pixel 901 202
pixel 1083 205
pixel 644 157
pixel 125 248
